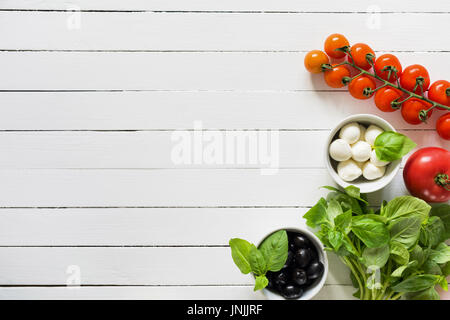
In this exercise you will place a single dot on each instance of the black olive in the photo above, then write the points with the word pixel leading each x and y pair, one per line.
pixel 301 241
pixel 280 278
pixel 313 253
pixel 289 259
pixel 314 270
pixel 292 246
pixel 291 292
pixel 302 257
pixel 299 276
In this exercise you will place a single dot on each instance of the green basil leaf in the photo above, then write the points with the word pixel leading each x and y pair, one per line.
pixel 416 283
pixel 343 221
pixel 260 282
pixel 375 257
pixel 240 252
pixel 443 212
pixel 257 261
pixel 391 146
pixel 406 206
pixel 406 230
pixel 275 250
pixel 431 267
pixel 346 202
pixel 440 254
pixel 317 215
pixel 445 268
pixel 443 283
pixel 400 270
pixel 354 192
pixel 399 252
pixel 334 209
pixel 373 233
pixel 432 232
pixel 427 294
pixel 336 239
pixel 418 255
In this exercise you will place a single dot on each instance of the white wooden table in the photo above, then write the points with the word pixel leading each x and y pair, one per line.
pixel 91 94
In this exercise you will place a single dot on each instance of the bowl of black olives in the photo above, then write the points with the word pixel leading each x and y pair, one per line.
pixel 304 272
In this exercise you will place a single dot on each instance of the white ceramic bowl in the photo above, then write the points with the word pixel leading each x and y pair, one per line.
pixel 313 290
pixel 366 186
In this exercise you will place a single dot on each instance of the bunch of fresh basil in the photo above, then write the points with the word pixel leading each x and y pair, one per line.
pixel 397 251
pixel 270 256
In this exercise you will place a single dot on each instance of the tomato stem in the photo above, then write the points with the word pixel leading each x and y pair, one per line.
pixel 396 105
pixel 442 180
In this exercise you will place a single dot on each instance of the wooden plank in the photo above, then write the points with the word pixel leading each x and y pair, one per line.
pixel 172 71
pixel 233 5
pixel 328 292
pixel 137 149
pixel 142 227
pixel 131 266
pixel 225 31
pixel 170 187
pixel 154 110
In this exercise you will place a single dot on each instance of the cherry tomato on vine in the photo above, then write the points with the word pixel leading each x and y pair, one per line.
pixel 440 92
pixel 359 53
pixel 360 86
pixel 334 78
pixel 314 61
pixel 409 76
pixel 411 109
pixel 333 42
pixel 388 62
pixel 426 174
pixel 384 98
pixel 443 126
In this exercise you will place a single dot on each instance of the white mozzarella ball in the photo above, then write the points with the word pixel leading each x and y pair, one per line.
pixel 372 133
pixel 361 151
pixel 372 172
pixel 375 161
pixel 349 170
pixel 350 132
pixel 360 164
pixel 362 135
pixel 340 150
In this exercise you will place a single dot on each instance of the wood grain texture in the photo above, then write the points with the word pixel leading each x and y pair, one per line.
pixel 172 71
pixel 230 5
pixel 288 149
pixel 329 292
pixel 136 188
pixel 90 93
pixel 153 110
pixel 132 266
pixel 225 31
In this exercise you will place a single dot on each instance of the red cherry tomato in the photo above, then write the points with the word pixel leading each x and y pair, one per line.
pixel 425 174
pixel 440 92
pixel 314 61
pixel 359 53
pixel 384 98
pixel 333 42
pixel 359 87
pixel 411 109
pixel 334 78
pixel 409 76
pixel 388 62
pixel 443 126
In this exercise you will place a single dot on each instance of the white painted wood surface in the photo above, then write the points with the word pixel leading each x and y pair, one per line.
pixel 91 93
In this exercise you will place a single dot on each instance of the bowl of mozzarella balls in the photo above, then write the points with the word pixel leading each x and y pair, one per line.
pixel 351 158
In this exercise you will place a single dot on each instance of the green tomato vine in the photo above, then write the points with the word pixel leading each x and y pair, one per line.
pixel 396 104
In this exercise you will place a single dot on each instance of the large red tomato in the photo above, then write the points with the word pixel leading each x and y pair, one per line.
pixel 427 173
